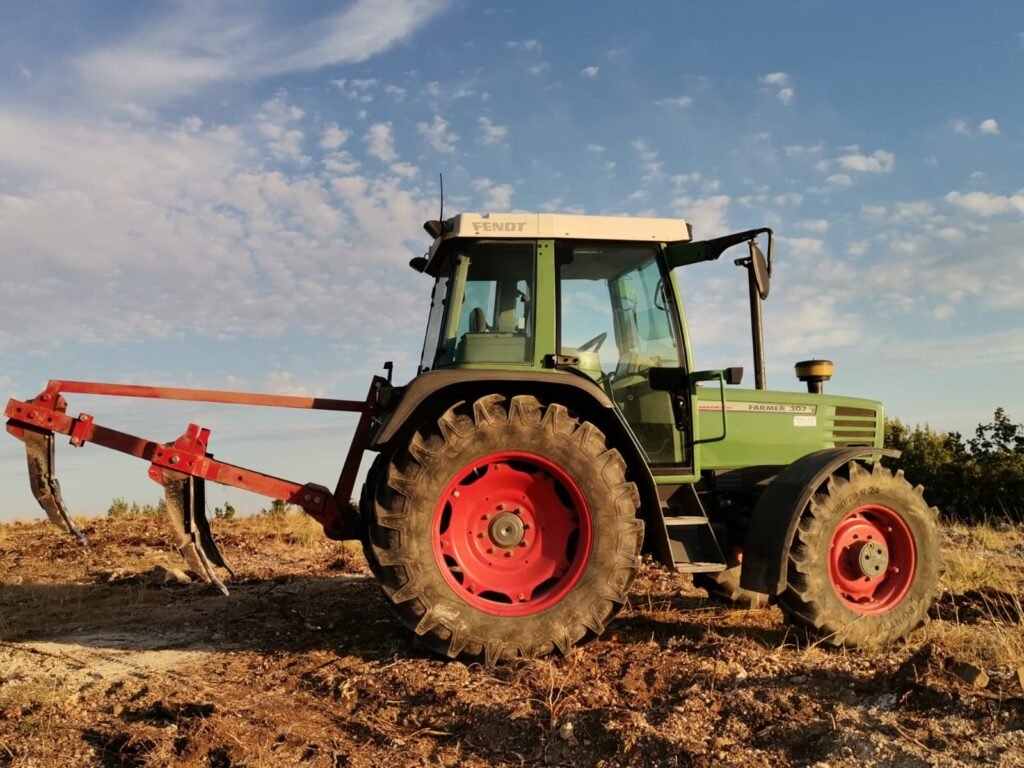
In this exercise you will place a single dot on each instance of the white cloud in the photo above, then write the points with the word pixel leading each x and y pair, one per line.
pixel 590 71
pixel 781 82
pixel 539 69
pixel 198 44
pixel 985 204
pixel 146 215
pixel 598 148
pixel 989 127
pixel 406 170
pixel 679 102
pixel 333 137
pixel 497 197
pixel 961 127
pixel 438 135
pixel 491 133
pixel 380 142
pixel 839 180
pixel 878 161
pixel 708 215
pixel 775 78
pixel 276 123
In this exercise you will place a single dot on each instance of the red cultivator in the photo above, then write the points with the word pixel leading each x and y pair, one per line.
pixel 182 467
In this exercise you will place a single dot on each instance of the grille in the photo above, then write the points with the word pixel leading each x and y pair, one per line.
pixel 853 426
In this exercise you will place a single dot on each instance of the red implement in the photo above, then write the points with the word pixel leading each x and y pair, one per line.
pixel 183 466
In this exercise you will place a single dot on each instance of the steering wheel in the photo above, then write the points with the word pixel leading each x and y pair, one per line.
pixel 595 342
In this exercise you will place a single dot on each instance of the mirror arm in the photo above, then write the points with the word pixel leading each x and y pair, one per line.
pixel 756 325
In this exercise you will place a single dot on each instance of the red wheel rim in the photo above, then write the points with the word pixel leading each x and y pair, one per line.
pixel 872 559
pixel 512 533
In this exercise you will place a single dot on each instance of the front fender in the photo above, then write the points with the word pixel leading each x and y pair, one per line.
pixel 778 511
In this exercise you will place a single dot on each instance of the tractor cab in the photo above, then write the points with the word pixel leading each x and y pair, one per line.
pixel 590 295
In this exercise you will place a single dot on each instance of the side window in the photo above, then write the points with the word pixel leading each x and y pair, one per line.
pixel 490 315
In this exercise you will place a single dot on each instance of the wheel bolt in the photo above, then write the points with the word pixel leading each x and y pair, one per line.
pixel 508 554
pixel 522 597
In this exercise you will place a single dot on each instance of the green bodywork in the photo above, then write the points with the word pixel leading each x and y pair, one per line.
pixel 544 305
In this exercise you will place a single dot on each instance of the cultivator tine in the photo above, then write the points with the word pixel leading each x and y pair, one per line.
pixel 45 487
pixel 186 511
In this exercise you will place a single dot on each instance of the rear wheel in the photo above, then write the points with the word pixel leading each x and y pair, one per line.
pixel 865 562
pixel 505 530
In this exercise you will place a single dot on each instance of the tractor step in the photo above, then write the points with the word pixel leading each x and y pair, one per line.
pixel 691 537
pixel 685 520
pixel 700 567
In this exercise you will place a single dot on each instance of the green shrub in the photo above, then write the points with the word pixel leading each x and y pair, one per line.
pixel 980 479
pixel 224 513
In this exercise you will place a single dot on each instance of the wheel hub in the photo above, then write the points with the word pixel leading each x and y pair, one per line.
pixel 506 530
pixel 512 533
pixel 873 559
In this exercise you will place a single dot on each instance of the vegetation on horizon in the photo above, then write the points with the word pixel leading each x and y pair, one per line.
pixel 974 480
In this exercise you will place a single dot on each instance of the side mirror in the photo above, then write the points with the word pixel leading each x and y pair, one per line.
pixel 667 379
pixel 734 375
pixel 761 267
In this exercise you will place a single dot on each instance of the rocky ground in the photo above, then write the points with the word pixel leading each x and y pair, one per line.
pixel 106 660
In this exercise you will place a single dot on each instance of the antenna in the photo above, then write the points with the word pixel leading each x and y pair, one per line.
pixel 440 216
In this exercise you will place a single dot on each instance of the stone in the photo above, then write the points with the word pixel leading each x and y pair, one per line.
pixel 971 674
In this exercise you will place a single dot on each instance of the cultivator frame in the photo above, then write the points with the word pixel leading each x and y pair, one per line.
pixel 184 465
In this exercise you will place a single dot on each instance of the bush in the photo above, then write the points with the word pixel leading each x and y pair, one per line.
pixel 224 513
pixel 121 509
pixel 979 479
pixel 278 508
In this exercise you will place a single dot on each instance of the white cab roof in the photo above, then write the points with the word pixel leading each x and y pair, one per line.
pixel 559 225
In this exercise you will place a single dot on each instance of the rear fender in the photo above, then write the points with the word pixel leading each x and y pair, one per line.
pixel 778 511
pixel 429 394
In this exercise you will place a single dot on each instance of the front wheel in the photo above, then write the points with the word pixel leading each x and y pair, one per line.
pixel 505 530
pixel 864 565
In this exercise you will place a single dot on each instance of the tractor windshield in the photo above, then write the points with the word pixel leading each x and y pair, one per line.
pixel 616 315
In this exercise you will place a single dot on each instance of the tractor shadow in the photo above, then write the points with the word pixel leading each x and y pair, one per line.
pixel 346 614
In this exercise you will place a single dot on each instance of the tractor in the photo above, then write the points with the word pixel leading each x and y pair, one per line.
pixel 556 431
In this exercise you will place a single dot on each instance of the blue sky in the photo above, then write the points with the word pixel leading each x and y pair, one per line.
pixel 226 194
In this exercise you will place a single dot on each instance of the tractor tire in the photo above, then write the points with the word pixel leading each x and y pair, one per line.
pixel 724 587
pixel 506 529
pixel 865 561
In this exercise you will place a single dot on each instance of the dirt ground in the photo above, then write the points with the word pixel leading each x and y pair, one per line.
pixel 104 664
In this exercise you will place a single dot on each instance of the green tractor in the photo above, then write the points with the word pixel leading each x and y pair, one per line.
pixel 557 430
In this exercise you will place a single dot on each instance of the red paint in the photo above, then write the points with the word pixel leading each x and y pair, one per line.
pixel 556 539
pixel 872 524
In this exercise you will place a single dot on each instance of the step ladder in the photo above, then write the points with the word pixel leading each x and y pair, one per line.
pixel 691 538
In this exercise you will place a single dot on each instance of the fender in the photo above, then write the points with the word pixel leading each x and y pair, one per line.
pixel 421 396
pixel 778 512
